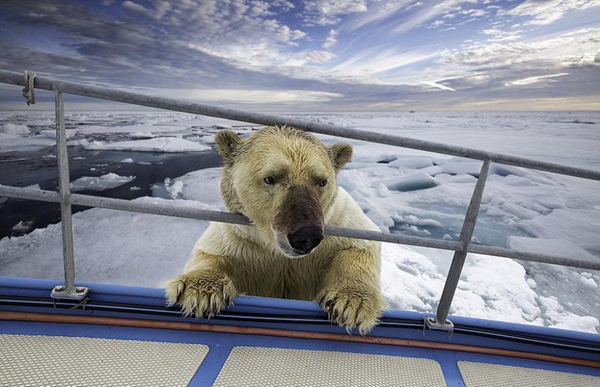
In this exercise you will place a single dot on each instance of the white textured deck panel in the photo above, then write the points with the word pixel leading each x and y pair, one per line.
pixel 495 375
pixel 75 361
pixel 264 367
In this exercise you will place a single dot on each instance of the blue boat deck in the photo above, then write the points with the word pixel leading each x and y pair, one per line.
pixel 126 336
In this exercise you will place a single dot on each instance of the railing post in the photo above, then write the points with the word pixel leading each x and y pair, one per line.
pixel 68 290
pixel 440 322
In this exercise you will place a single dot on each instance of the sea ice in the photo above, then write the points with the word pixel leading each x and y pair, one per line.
pixel 462 166
pixel 142 135
pixel 523 209
pixel 173 188
pixel 100 183
pixel 14 129
pixel 15 137
pixel 556 247
pixel 412 182
pixel 160 144
pixel 411 163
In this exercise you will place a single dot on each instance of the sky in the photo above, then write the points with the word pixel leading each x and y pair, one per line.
pixel 330 55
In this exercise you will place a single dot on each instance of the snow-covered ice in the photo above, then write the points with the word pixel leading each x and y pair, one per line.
pixel 15 137
pixel 14 129
pixel 161 144
pixel 412 162
pixel 558 247
pixel 100 183
pixel 413 182
pixel 110 247
pixel 401 190
pixel 142 135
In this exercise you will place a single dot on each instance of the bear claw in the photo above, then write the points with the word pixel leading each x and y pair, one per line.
pixel 200 294
pixel 352 309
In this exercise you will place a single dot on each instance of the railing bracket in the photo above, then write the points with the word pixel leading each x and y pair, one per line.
pixel 61 292
pixel 433 324
pixel 29 91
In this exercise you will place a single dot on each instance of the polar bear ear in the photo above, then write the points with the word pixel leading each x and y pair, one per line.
pixel 340 154
pixel 226 141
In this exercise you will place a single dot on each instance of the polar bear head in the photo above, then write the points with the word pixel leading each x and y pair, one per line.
pixel 284 181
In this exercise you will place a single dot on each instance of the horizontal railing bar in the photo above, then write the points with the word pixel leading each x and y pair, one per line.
pixel 29 194
pixel 392 238
pixel 266 119
pixel 226 217
pixel 158 209
pixel 217 216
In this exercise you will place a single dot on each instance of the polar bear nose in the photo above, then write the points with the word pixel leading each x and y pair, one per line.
pixel 306 239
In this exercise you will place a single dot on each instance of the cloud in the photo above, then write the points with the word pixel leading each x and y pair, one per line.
pixel 549 11
pixel 155 14
pixel 537 79
pixel 328 12
pixel 260 8
pixel 336 7
pixel 377 13
pixel 331 39
pixel 307 58
pixel 267 53
pixel 414 5
pixel 281 32
pixel 163 37
pixel 254 96
pixel 474 12
pixel 436 24
pixel 497 35
pixel 376 61
pixel 319 57
pixel 285 5
pixel 223 23
pixel 425 14
pixel 520 103
pixel 437 85
pixel 575 47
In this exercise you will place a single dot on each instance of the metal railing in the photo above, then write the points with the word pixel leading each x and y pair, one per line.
pixel 461 248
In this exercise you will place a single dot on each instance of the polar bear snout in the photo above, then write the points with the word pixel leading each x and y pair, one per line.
pixel 298 224
pixel 306 239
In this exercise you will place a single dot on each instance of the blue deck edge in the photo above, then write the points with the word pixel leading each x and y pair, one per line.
pixel 12 286
pixel 306 316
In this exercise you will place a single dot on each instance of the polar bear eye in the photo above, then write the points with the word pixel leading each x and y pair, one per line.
pixel 269 180
pixel 323 183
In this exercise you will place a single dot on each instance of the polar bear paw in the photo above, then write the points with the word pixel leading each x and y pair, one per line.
pixel 201 293
pixel 352 308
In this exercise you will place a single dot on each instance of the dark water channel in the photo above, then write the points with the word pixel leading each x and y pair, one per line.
pixel 23 169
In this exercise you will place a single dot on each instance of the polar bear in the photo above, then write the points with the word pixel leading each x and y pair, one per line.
pixel 284 181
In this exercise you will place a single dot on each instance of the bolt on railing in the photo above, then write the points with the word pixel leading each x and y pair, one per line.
pixel 461 248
